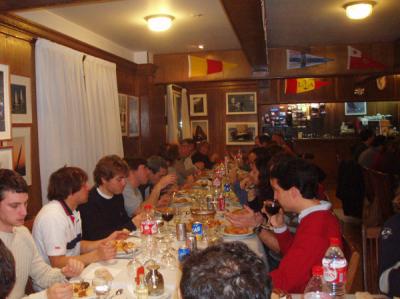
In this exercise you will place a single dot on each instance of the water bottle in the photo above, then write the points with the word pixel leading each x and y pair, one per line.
pixel 316 287
pixel 335 269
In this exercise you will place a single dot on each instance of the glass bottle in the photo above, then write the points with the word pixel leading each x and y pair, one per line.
pixel 141 290
pixel 154 281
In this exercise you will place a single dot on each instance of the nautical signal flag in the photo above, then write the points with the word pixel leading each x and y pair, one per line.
pixel 199 66
pixel 300 85
pixel 357 60
pixel 297 60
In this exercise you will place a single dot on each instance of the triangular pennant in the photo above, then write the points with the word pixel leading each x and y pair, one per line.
pixel 296 59
pixel 357 60
pixel 300 85
pixel 202 66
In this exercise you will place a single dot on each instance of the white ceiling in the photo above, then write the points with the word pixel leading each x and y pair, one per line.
pixel 123 22
pixel 290 23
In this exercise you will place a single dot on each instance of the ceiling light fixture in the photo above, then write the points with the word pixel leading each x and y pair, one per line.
pixel 159 22
pixel 358 10
pixel 201 47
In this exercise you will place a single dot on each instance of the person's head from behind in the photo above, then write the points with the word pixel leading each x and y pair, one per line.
pixel 257 153
pixel 138 171
pixel 13 200
pixel 66 182
pixel 110 174
pixel 367 135
pixel 171 154
pixel 293 180
pixel 7 271
pixel 158 168
pixel 262 140
pixel 379 141
pixel 228 270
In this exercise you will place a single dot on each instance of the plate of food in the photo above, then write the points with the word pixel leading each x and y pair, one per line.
pixel 237 232
pixel 82 289
pixel 181 201
pixel 124 248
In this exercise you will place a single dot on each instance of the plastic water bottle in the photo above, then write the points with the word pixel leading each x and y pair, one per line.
pixel 335 269
pixel 316 287
pixel 148 228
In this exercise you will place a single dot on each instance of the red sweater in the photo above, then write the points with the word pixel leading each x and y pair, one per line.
pixel 304 250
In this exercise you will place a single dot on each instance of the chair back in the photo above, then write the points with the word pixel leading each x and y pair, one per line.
pixel 379 194
pixel 370 244
pixel 353 258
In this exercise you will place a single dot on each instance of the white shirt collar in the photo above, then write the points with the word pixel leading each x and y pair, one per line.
pixel 323 206
pixel 104 195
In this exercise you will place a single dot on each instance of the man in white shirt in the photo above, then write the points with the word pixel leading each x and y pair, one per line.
pixel 17 238
pixel 57 229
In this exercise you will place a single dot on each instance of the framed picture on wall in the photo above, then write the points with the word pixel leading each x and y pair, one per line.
pixel 21 152
pixel 355 108
pixel 199 129
pixel 198 105
pixel 241 103
pixel 134 126
pixel 123 113
pixel 241 133
pixel 5 115
pixel 21 101
pixel 6 157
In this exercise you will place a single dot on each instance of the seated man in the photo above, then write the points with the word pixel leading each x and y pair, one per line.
pixel 389 257
pixel 57 229
pixel 104 212
pixel 201 159
pixel 17 238
pixel 295 185
pixel 228 270
pixel 139 174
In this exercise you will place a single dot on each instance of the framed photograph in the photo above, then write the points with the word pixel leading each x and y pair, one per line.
pixel 6 157
pixel 241 133
pixel 123 113
pixel 134 126
pixel 198 105
pixel 5 113
pixel 241 103
pixel 355 108
pixel 21 152
pixel 21 101
pixel 199 129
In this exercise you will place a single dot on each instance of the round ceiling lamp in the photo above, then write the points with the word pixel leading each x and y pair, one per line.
pixel 358 10
pixel 159 22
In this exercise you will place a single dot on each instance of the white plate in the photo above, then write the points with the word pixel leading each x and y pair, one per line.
pixel 86 297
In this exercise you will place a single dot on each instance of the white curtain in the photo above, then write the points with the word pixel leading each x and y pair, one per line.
pixel 172 131
pixel 67 115
pixel 103 107
pixel 186 133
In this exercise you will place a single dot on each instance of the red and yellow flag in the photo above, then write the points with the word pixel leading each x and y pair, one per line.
pixel 202 66
pixel 300 85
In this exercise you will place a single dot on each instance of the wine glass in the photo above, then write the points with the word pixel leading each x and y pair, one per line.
pixel 271 208
pixel 168 259
pixel 101 287
pixel 167 215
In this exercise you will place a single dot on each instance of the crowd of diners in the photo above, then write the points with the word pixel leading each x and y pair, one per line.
pixel 76 227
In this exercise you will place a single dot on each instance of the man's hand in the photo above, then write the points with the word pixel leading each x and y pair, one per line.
pixel 60 291
pixel 277 220
pixel 118 235
pixel 137 220
pixel 169 179
pixel 106 251
pixel 73 268
pixel 164 201
pixel 249 219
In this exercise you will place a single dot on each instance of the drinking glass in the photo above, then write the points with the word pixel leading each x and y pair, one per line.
pixel 101 287
pixel 168 259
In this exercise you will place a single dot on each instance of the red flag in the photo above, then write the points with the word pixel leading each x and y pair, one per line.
pixel 214 66
pixel 300 85
pixel 357 60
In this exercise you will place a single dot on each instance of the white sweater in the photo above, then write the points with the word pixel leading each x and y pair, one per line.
pixel 28 262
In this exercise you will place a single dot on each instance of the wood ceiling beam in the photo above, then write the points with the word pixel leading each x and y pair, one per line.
pixel 247 22
pixel 14 5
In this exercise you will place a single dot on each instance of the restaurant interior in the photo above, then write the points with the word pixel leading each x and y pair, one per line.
pixel 308 72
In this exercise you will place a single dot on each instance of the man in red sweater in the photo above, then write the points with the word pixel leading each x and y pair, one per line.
pixel 295 184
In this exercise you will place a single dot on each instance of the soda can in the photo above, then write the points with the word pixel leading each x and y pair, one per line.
pixel 183 251
pixel 181 231
pixel 191 242
pixel 221 203
pixel 197 230
pixel 227 187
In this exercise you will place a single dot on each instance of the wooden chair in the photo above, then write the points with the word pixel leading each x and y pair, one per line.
pixel 370 244
pixel 353 258
pixel 379 194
